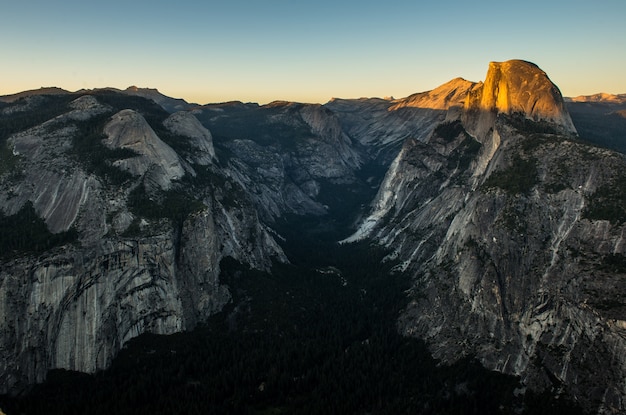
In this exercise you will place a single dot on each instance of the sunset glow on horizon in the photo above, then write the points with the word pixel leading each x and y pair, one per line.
pixel 243 50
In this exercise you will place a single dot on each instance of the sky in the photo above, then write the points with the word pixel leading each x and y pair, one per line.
pixel 305 51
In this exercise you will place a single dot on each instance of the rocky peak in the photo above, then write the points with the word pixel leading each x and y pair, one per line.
pixel 184 123
pixel 129 130
pixel 325 125
pixel 512 87
pixel 450 94
pixel 85 102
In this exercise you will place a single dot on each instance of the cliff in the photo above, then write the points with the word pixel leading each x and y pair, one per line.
pixel 144 251
pixel 516 87
pixel 516 256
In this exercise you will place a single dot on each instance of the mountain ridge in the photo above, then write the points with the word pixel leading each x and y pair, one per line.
pixel 452 93
pixel 412 99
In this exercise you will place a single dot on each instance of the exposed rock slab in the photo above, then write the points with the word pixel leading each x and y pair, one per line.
pixel 129 130
pixel 184 123
pixel 516 87
pixel 450 94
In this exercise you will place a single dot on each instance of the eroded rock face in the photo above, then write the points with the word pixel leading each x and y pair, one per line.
pixel 296 149
pixel 56 189
pixel 492 217
pixel 516 87
pixel 78 308
pixel 501 275
pixel 74 306
pixel 450 94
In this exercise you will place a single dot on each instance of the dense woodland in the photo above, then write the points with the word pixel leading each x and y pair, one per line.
pixel 25 232
pixel 317 336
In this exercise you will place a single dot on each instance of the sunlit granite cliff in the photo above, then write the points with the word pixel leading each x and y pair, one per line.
pixel 515 87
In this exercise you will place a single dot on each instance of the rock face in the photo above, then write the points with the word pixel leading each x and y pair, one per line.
pixel 146 257
pixel 516 87
pixel 56 191
pixel 450 94
pixel 184 124
pixel 497 216
pixel 382 125
pixel 296 149
pixel 129 130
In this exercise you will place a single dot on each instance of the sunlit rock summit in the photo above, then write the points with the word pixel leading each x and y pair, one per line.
pixel 450 94
pixel 516 87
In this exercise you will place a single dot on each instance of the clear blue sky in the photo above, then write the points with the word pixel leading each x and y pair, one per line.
pixel 308 51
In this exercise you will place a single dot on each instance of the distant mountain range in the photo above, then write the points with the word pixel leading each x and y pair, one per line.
pixel 168 103
pixel 601 97
pixel 438 98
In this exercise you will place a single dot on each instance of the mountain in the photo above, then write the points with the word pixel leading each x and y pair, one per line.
pixel 133 218
pixel 137 208
pixel 512 229
pixel 475 217
pixel 450 94
pixel 167 103
pixel 516 87
pixel 381 125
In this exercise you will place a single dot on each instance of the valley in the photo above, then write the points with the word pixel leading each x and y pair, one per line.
pixel 316 336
